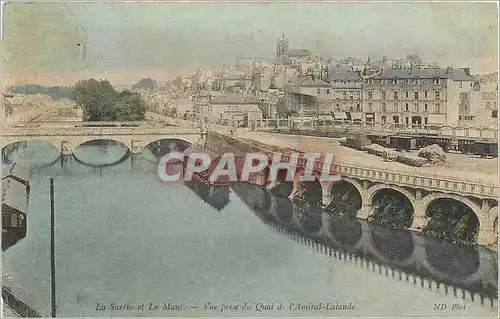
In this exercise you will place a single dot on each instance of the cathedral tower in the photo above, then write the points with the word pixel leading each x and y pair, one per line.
pixel 282 48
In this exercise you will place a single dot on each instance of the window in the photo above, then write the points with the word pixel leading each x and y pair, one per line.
pixel 344 95
pixel 425 94
pixel 461 85
pixel 416 95
pixel 395 95
pixel 437 95
pixel 416 107
pixel 383 81
pixel 337 107
pixel 395 81
pixel 318 91
pixel 370 81
pixel 396 107
pixel 415 81
pixel 358 107
pixel 407 107
pixel 327 91
pixel 494 114
pixel 370 107
pixel 370 95
pixel 384 95
pixel 436 81
pixel 384 119
pixel 425 107
pixel 351 96
pixel 407 120
pixel 426 120
pixel 384 107
pixel 438 108
pixel 407 94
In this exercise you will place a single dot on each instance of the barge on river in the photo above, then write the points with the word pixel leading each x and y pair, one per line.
pixel 15 195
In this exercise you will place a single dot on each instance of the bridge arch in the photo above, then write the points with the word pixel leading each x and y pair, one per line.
pixel 147 140
pixel 307 191
pixel 351 181
pixel 372 191
pixel 427 200
pixel 396 210
pixel 464 221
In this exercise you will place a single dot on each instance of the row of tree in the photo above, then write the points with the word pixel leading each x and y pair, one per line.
pixel 101 102
pixel 55 92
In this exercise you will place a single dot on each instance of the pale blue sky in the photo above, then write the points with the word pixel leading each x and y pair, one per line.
pixel 210 34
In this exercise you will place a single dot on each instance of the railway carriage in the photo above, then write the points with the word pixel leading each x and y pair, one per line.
pixel 445 142
pixel 403 142
pixel 485 148
pixel 464 145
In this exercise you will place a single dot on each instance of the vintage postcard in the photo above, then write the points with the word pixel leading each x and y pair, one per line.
pixel 249 159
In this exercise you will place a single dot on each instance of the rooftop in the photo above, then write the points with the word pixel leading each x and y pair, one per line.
pixel 14 194
pixel 342 72
pixel 19 172
pixel 312 81
pixel 461 74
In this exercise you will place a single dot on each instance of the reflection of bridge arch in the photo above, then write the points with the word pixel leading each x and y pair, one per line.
pixel 93 139
pixel 24 139
pixel 124 157
pixel 378 244
pixel 336 238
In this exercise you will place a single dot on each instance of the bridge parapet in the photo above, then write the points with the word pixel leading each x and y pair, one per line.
pixel 429 183
pixel 433 183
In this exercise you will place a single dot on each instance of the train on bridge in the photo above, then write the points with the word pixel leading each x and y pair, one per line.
pixel 403 141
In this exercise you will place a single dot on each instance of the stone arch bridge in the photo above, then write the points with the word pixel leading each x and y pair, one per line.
pixel 420 190
pixel 66 140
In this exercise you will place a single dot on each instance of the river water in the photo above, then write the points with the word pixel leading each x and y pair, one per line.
pixel 124 238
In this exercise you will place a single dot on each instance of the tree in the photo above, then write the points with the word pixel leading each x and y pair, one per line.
pixel 96 98
pixel 101 102
pixel 147 83
pixel 129 107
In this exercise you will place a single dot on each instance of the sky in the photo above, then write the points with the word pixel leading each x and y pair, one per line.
pixel 65 36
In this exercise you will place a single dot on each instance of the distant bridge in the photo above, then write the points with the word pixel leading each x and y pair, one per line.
pixel 64 140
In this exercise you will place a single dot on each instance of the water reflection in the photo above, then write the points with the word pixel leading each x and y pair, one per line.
pixel 217 197
pixel 101 153
pixel 400 253
pixel 33 153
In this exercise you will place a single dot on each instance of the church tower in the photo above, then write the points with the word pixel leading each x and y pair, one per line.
pixel 281 48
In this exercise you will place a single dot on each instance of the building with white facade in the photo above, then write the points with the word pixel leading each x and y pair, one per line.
pixel 415 96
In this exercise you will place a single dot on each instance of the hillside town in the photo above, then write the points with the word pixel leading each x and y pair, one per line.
pixel 299 85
